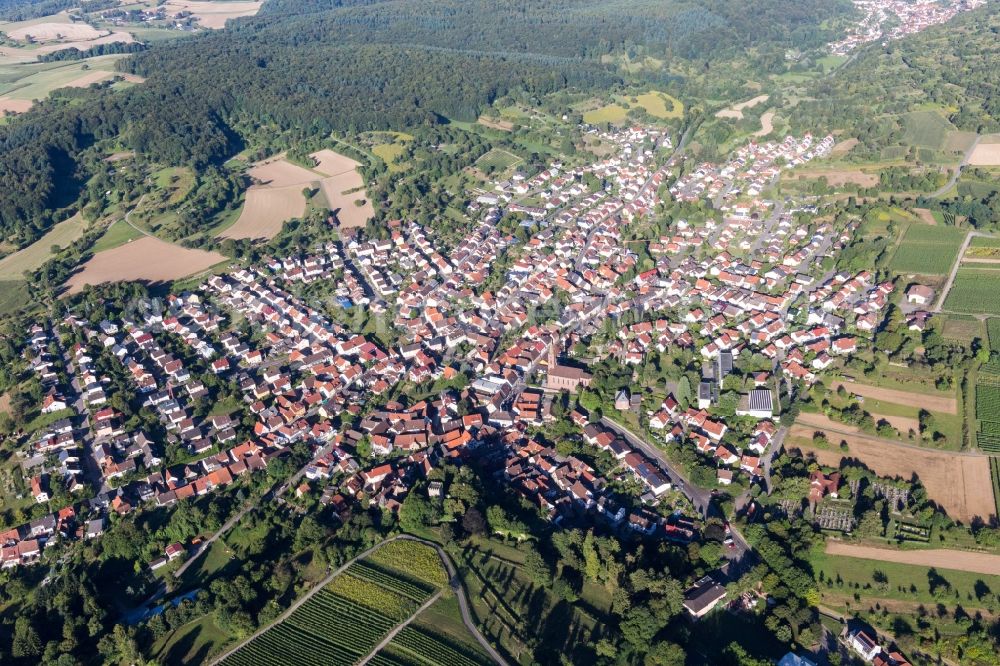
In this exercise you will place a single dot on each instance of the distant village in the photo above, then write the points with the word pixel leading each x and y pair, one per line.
pixel 904 17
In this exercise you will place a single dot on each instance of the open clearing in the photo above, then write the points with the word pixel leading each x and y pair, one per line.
pixel 987 153
pixel 147 259
pixel 926 129
pixel 959 142
pixel 959 482
pixel 844 147
pixel 736 110
pixel 766 123
pixel 940 558
pixel 839 177
pixel 265 210
pixel 903 424
pixel 213 15
pixel 934 403
pixel 12 267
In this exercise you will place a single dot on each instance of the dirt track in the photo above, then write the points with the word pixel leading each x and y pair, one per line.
pixel 934 403
pixel 940 558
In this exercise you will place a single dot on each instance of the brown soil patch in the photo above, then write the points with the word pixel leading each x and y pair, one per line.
pixel 14 105
pixel 838 177
pixel 844 147
pixel 147 259
pixel 265 210
pixel 213 15
pixel 736 110
pixel 330 163
pixel 941 558
pixel 925 215
pixel 985 154
pixel 117 157
pixel 341 195
pixel 766 123
pixel 933 403
pixel 960 483
pixel 502 125
pixel 903 424
pixel 53 32
pixel 278 172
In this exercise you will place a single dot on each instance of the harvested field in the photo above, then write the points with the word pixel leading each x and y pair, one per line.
pixel 903 424
pixel 986 154
pixel 56 32
pixel 959 482
pixel 736 110
pixel 147 259
pixel 89 78
pixel 330 163
pixel 341 195
pixel 213 15
pixel 265 210
pixel 9 105
pixel 12 267
pixel 844 147
pixel 343 187
pixel 940 558
pixel 934 403
pixel 838 177
pixel 278 172
pixel 766 123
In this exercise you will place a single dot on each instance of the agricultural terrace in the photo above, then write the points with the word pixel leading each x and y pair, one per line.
pixel 345 620
pixel 421 646
pixel 975 291
pixel 927 250
pixel 982 248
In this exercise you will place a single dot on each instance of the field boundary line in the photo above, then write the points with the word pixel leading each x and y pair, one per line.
pixel 398 628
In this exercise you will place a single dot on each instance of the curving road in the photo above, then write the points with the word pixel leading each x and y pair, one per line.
pixel 957 172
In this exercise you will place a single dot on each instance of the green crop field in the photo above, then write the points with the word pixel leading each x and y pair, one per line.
pixel 976 291
pixel 993 333
pixel 343 622
pixel 926 129
pixel 432 649
pixel 927 250
pixel 612 113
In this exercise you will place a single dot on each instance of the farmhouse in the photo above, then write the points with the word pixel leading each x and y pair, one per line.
pixel 919 294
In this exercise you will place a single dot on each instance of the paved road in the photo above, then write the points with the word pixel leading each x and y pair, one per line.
pixel 957 172
pixel 454 583
pixel 700 497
